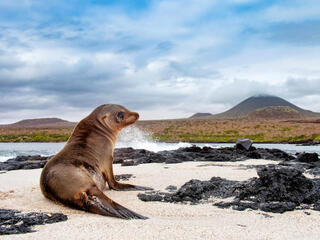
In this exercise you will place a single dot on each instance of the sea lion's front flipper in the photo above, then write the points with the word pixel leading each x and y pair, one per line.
pixel 115 185
pixel 99 203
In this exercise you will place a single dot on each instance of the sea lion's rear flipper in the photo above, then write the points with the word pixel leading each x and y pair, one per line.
pixel 98 202
pixel 128 187
pixel 136 188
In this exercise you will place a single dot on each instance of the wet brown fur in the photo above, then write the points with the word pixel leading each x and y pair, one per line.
pixel 77 175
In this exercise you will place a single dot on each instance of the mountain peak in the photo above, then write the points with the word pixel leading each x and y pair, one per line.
pixel 262 95
pixel 261 101
pixel 265 105
pixel 42 122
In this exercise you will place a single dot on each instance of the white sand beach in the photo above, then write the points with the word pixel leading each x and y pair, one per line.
pixel 20 190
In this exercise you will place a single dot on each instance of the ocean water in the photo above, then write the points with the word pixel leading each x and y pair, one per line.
pixel 135 138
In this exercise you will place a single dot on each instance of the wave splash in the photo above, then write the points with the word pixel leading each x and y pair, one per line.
pixel 136 138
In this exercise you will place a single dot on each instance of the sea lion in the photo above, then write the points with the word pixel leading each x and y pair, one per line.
pixel 77 175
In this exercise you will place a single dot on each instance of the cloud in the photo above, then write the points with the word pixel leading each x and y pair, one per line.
pixel 165 59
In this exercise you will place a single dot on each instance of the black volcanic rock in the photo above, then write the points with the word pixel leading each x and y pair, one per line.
pixel 123 177
pixel 15 222
pixel 132 157
pixel 277 189
pixel 276 183
pixel 24 162
pixel 194 191
pixel 308 162
pixel 243 144
pixel 171 188
pixel 308 157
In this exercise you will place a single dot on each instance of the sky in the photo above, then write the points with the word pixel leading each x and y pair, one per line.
pixel 164 59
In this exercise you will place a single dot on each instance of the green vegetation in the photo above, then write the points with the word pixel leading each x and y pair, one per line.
pixel 195 138
pixel 34 137
pixel 258 138
pixel 184 130
pixel 230 130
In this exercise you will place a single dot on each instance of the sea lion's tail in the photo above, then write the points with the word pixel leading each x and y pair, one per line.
pixel 96 201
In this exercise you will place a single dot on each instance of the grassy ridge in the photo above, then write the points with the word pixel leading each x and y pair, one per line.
pixel 212 130
pixel 189 130
pixel 34 134
pixel 232 138
pixel 35 137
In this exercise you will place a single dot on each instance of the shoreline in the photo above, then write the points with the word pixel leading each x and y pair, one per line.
pixel 306 143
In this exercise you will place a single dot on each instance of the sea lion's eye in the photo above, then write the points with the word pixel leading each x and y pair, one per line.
pixel 120 116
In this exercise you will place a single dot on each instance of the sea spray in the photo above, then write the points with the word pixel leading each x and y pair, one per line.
pixel 136 138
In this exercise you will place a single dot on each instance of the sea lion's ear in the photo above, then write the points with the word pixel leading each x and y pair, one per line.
pixel 105 117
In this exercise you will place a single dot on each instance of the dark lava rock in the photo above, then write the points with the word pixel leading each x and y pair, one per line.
pixel 128 162
pixel 171 188
pixel 277 207
pixel 15 222
pixel 194 191
pixel 254 154
pixel 151 197
pixel 130 156
pixel 305 162
pixel 276 183
pixel 315 171
pixel 138 156
pixel 24 162
pixel 243 144
pixel 274 154
pixel 277 189
pixel 308 157
pixel 124 177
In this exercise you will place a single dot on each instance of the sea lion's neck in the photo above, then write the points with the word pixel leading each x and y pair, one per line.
pixel 94 137
pixel 88 127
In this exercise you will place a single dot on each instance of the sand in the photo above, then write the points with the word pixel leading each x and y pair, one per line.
pixel 20 190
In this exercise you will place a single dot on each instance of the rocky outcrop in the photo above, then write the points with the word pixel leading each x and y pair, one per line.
pixel 15 222
pixel 24 162
pixel 243 144
pixel 308 157
pixel 194 191
pixel 131 157
pixel 308 162
pixel 277 189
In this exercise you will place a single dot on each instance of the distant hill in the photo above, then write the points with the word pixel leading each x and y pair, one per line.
pixel 275 112
pixel 200 115
pixel 40 123
pixel 263 106
pixel 261 101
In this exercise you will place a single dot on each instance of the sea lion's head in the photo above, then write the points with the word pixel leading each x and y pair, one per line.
pixel 115 117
